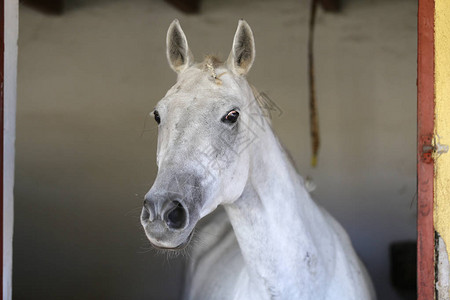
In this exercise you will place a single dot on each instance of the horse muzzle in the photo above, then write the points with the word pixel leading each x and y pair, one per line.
pixel 167 224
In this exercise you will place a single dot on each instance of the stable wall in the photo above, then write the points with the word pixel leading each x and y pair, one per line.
pixel 86 148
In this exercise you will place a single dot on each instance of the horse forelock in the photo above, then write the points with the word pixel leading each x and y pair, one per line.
pixel 213 61
pixel 210 64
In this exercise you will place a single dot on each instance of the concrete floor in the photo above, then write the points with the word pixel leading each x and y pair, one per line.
pixel 86 148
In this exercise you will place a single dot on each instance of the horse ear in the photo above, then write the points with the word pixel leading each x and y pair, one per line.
pixel 178 54
pixel 243 52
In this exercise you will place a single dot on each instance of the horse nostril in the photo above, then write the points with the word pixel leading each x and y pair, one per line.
pixel 176 217
pixel 145 215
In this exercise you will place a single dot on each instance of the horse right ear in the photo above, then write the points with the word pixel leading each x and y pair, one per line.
pixel 242 53
pixel 178 54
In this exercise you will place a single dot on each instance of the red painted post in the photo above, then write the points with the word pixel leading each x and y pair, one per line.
pixel 425 163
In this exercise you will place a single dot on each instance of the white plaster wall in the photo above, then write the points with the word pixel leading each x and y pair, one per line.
pixel 86 151
pixel 10 73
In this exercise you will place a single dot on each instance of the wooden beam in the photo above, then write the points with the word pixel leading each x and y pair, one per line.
pixel 186 6
pixel 53 7
pixel 331 5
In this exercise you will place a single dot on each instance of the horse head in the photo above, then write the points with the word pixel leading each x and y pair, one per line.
pixel 204 128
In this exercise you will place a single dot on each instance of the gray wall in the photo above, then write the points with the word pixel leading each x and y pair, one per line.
pixel 86 148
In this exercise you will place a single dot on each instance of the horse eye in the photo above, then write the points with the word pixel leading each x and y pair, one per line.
pixel 231 117
pixel 157 117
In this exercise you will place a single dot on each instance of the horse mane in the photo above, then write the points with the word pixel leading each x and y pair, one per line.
pixel 261 100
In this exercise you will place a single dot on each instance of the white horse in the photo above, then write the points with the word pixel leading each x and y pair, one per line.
pixel 215 147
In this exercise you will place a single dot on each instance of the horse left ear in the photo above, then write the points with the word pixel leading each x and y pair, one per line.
pixel 178 53
pixel 242 54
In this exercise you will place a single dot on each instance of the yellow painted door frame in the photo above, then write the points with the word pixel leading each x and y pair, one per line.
pixel 440 145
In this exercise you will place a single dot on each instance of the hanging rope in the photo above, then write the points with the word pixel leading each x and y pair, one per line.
pixel 313 118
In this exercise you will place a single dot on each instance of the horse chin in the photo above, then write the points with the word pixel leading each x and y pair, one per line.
pixel 176 248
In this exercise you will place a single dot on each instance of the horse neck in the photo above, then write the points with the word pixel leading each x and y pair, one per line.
pixel 275 221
